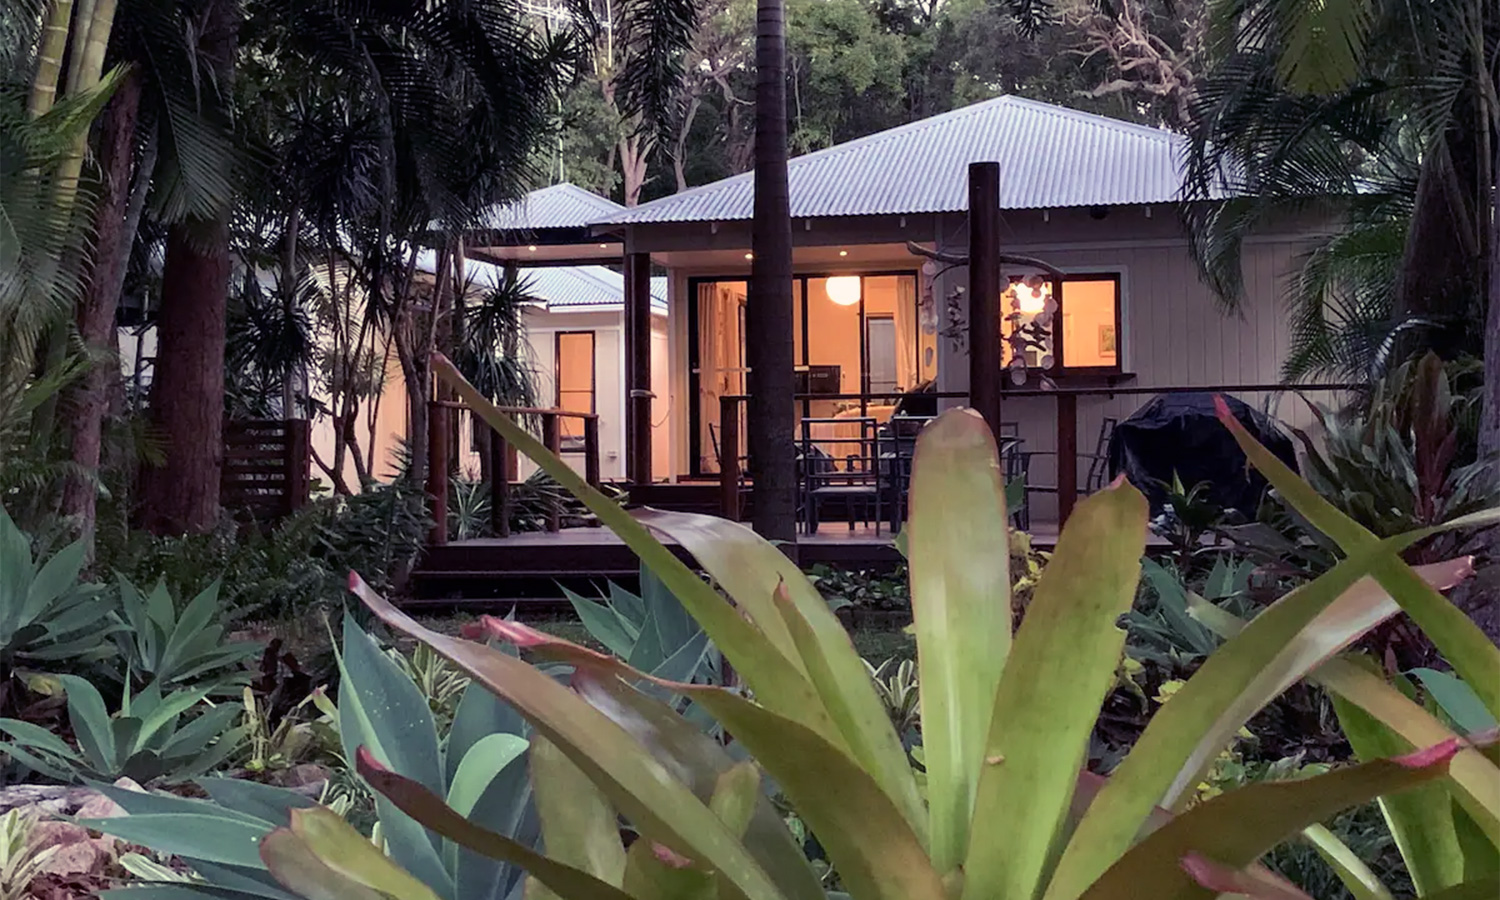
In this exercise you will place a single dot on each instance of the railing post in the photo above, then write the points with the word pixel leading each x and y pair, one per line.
pixel 729 457
pixel 591 450
pixel 1067 455
pixel 500 474
pixel 437 471
pixel 298 474
pixel 984 291
pixel 552 437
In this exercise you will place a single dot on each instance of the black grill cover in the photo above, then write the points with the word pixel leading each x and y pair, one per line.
pixel 1181 433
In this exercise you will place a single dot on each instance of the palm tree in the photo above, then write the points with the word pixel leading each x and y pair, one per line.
pixel 771 417
pixel 1389 105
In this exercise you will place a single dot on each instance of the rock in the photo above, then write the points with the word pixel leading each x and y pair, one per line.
pixel 99 806
pixel 75 853
pixel 305 775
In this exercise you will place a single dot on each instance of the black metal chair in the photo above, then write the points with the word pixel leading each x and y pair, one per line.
pixel 831 473
pixel 1098 470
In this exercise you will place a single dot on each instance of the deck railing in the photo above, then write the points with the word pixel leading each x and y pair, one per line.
pixel 732 481
pixel 267 467
pixel 502 462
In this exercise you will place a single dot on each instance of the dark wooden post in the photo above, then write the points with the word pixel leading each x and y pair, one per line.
pixel 591 450
pixel 552 437
pixel 729 457
pixel 638 368
pixel 437 471
pixel 500 475
pixel 1067 455
pixel 984 291
pixel 298 464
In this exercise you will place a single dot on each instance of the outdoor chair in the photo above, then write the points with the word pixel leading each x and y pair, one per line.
pixel 1098 468
pixel 840 467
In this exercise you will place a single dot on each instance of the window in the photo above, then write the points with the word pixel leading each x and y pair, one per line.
pixel 575 379
pixel 1088 308
pixel 852 334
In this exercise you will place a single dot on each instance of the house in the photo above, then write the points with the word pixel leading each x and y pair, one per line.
pixel 1091 196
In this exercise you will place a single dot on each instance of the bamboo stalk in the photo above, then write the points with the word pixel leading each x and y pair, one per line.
pixel 49 57
pixel 83 16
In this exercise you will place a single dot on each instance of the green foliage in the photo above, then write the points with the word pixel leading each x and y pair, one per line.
pixel 652 632
pixel 1162 626
pixel 1393 462
pixel 21 856
pixel 46 615
pixel 147 739
pixel 862 590
pixel 479 764
pixel 172 648
pixel 1000 735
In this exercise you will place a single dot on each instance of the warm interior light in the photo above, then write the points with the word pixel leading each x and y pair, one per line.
pixel 532 248
pixel 844 289
pixel 1033 299
pixel 603 246
pixel 843 253
pixel 749 255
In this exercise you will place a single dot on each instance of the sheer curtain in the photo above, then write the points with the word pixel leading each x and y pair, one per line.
pixel 709 387
pixel 907 327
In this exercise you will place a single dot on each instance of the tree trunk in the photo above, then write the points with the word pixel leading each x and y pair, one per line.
pixel 768 313
pixel 1489 429
pixel 187 385
pixel 89 401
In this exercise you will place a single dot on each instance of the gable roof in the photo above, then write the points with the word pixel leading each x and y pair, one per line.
pixel 558 288
pixel 585 288
pixel 559 206
pixel 1050 157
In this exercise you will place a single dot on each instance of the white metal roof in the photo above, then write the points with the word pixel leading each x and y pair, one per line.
pixel 1050 157
pixel 584 288
pixel 559 206
pixel 558 288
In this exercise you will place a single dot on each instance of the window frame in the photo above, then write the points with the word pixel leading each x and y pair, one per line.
pixel 800 282
pixel 557 388
pixel 1058 371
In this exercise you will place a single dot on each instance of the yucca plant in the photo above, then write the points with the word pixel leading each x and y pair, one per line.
pixel 1006 718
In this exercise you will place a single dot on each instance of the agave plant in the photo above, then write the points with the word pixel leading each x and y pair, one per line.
pixel 46 614
pixel 144 741
pixel 480 765
pixel 651 631
pixel 1006 716
pixel 160 645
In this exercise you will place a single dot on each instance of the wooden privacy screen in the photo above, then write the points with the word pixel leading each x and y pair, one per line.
pixel 267 468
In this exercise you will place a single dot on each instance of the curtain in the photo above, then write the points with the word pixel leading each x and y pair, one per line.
pixel 709 326
pixel 908 375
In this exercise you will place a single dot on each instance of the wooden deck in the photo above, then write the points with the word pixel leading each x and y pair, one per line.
pixel 531 567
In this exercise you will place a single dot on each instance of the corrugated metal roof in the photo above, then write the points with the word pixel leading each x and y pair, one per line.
pixel 584 288
pixel 558 288
pixel 1050 157
pixel 560 206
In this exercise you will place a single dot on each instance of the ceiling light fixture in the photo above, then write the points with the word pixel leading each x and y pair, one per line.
pixel 844 289
pixel 749 255
pixel 843 253
pixel 532 248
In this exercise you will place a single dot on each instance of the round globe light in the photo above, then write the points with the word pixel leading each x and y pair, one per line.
pixel 1033 299
pixel 844 289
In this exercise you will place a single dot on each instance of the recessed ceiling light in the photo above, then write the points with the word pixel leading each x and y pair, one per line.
pixel 603 246
pixel 843 253
pixel 532 248
pixel 749 255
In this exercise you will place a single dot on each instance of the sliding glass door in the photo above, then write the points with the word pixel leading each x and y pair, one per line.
pixel 861 341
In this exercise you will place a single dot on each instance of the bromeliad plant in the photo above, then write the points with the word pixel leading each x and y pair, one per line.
pixel 651 632
pixel 1006 718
